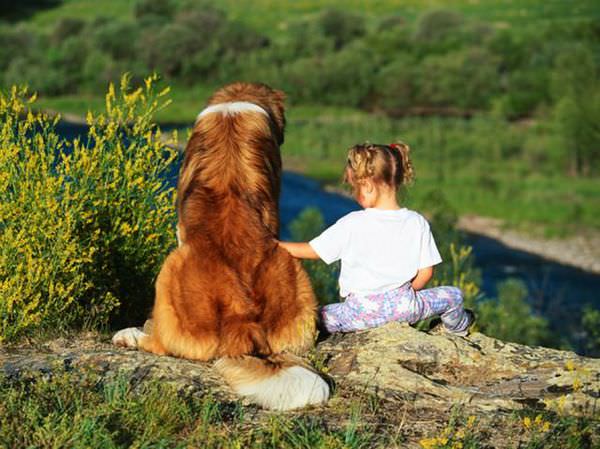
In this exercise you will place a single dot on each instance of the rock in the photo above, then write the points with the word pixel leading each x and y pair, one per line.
pixel 480 372
pixel 395 361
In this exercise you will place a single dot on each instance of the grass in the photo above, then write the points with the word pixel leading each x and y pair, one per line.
pixel 74 410
pixel 272 16
pixel 83 410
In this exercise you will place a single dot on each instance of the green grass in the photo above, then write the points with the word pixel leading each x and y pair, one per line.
pixel 272 16
pixel 82 410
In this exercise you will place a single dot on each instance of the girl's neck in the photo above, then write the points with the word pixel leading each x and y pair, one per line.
pixel 386 200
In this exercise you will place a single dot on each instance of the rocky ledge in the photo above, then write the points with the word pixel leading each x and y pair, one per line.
pixel 396 362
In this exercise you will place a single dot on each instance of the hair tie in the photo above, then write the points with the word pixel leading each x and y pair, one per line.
pixel 395 146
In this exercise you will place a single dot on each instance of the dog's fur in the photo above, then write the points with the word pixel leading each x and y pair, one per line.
pixel 229 292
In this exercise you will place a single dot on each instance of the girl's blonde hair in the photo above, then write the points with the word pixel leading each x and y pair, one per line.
pixel 387 164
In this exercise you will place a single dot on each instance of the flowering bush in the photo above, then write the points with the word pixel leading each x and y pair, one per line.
pixel 84 225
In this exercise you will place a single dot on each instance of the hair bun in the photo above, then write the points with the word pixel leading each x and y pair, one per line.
pixel 408 173
pixel 401 147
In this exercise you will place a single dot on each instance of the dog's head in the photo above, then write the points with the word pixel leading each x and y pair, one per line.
pixel 271 100
pixel 234 149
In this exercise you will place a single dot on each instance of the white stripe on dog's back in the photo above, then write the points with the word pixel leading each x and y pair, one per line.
pixel 232 108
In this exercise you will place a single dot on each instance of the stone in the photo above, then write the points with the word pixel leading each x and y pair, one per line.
pixel 396 362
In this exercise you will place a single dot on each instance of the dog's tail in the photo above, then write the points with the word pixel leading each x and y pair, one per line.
pixel 277 382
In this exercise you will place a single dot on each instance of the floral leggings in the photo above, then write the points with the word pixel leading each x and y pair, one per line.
pixel 400 304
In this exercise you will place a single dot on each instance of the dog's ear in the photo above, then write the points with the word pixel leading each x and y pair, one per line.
pixel 279 96
pixel 277 100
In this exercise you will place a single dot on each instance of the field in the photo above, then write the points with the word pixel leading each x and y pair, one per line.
pixel 272 15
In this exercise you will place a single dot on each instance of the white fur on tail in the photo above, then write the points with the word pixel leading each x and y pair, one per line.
pixel 291 387
pixel 128 338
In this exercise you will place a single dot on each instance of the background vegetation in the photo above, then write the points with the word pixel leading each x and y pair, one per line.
pixel 499 101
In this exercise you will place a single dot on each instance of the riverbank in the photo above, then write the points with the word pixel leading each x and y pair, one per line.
pixel 581 250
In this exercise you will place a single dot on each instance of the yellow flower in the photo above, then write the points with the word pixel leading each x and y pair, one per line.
pixel 471 421
pixel 577 384
pixel 527 422
pixel 570 365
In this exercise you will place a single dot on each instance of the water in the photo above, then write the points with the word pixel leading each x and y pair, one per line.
pixel 556 291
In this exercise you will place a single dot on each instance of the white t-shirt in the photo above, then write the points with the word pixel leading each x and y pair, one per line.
pixel 380 249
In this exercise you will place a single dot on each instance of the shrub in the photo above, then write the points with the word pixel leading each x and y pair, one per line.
pixel 341 26
pixel 435 25
pixel 85 225
pixel 590 323
pixel 117 39
pixel 66 27
pixel 343 78
pixel 466 79
pixel 510 317
pixel 324 278
pixel 154 10
pixel 394 86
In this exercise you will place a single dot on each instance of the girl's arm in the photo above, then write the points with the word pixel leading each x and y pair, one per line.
pixel 422 278
pixel 300 250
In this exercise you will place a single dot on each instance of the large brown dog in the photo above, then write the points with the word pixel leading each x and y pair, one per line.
pixel 229 292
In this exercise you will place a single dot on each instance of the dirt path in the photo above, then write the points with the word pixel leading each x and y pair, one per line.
pixel 581 250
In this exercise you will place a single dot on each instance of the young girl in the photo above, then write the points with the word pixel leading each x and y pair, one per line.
pixel 387 252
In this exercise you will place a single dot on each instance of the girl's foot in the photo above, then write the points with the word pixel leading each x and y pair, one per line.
pixel 465 332
pixel 439 328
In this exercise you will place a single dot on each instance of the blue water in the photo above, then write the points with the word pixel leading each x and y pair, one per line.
pixel 556 291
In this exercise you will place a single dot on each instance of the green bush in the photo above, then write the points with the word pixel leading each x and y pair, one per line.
pixel 154 10
pixel 510 318
pixel 324 278
pixel 85 225
pixel 341 26
pixel 117 39
pixel 590 323
pixel 466 79
pixel 437 24
pixel 66 27
pixel 394 86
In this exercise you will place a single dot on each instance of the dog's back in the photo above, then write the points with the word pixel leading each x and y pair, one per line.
pixel 229 290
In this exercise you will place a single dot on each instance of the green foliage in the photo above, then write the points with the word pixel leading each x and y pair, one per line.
pixel 576 86
pixel 154 10
pixel 81 410
pixel 341 26
pixel 437 25
pixel 442 61
pixel 85 225
pixel 590 322
pixel 511 318
pixel 324 278
pixel 65 28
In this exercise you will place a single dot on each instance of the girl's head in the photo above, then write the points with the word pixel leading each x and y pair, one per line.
pixel 379 168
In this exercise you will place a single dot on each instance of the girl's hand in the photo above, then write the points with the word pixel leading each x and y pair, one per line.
pixel 422 278
pixel 300 250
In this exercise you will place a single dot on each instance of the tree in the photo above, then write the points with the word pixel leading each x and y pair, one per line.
pixel 576 89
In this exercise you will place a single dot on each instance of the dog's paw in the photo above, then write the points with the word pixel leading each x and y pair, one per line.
pixel 128 338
